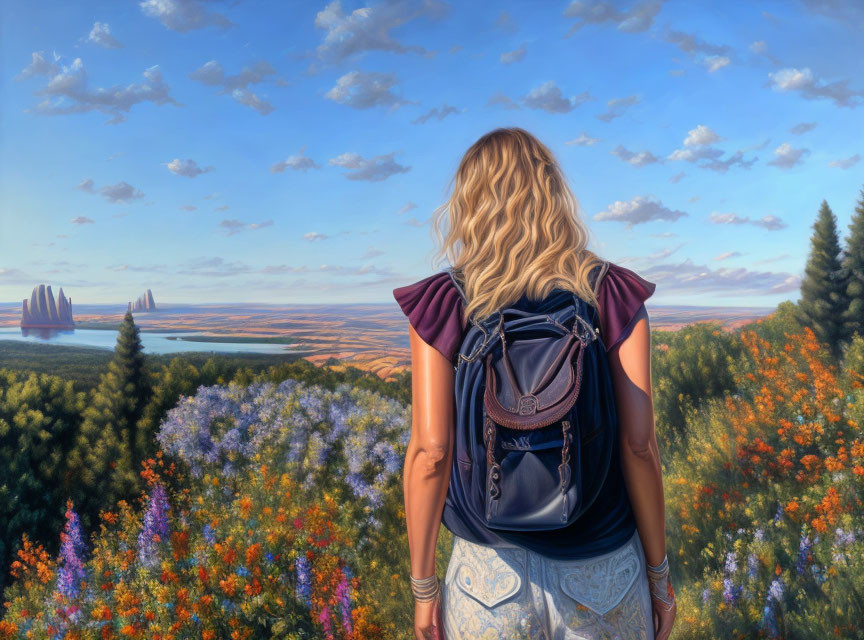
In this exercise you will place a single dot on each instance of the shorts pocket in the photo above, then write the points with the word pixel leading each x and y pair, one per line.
pixel 489 576
pixel 601 584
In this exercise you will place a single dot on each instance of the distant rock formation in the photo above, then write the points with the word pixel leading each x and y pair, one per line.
pixel 43 313
pixel 144 303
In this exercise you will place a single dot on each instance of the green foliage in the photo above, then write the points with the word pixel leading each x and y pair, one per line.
pixel 39 417
pixel 853 264
pixel 823 290
pixel 108 451
pixel 688 367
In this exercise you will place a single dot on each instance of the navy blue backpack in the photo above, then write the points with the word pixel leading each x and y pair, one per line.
pixel 535 414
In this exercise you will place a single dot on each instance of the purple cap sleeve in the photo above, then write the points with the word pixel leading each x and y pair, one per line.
pixel 434 308
pixel 622 293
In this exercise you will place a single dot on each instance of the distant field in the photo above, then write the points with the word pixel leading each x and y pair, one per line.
pixel 372 337
pixel 85 364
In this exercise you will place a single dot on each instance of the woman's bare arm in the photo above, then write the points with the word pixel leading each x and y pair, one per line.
pixel 630 362
pixel 429 453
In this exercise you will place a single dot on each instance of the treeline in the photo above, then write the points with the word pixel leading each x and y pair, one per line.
pixel 59 443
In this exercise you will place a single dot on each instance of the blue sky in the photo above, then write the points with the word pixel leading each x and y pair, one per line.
pixel 294 151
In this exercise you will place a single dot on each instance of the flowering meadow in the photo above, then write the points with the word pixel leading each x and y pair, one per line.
pixel 274 510
pixel 271 508
pixel 764 510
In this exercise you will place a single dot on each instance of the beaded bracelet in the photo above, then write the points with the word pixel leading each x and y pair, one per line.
pixel 425 589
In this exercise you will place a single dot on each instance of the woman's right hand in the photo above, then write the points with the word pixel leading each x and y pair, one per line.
pixel 664 616
pixel 428 624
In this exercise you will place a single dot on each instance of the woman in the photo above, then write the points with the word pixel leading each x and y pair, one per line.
pixel 520 241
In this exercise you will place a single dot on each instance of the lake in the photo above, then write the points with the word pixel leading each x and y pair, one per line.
pixel 153 342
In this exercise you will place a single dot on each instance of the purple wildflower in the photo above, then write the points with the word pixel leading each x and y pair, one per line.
pixel 803 552
pixel 72 550
pixel 155 527
pixel 775 590
pixel 304 580
pixel 343 595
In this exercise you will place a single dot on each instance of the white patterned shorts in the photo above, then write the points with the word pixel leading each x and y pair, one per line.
pixel 506 593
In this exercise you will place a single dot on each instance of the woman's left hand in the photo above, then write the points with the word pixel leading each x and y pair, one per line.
pixel 428 623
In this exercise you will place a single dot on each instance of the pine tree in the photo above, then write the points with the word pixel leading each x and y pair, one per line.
pixel 823 290
pixel 108 453
pixel 853 266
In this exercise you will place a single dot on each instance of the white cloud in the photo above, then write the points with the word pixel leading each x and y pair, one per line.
pixel 100 34
pixel 372 169
pixel 237 86
pixel 639 210
pixel 81 220
pixel 362 90
pixel 701 136
pixel 187 168
pixel 639 159
pixel 39 66
pixel 697 149
pixel 183 15
pixel 584 140
pixel 297 162
pixel 638 18
pixel 786 156
pixel 808 86
pixel 548 97
pixel 67 91
pixel 713 63
pixel 368 28
pixel 407 207
pixel 120 192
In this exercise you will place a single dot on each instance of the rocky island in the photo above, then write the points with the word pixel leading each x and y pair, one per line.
pixel 144 303
pixel 43 312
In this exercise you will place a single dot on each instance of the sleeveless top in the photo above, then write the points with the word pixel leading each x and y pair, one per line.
pixel 434 308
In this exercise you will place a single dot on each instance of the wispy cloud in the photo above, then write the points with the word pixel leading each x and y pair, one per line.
pixel 846 163
pixel 771 223
pixel 187 168
pixel 690 278
pixel 637 159
pixel 639 210
pixel 100 35
pixel 82 220
pixel 436 113
pixel 369 28
pixel 806 84
pixel 366 89
pixel 616 107
pixel 236 226
pixel 237 85
pixel 68 91
pixel 583 140
pixel 638 18
pixel 697 149
pixel 548 97
pixel 373 169
pixel 510 57
pixel 184 15
pixel 786 156
pixel 297 162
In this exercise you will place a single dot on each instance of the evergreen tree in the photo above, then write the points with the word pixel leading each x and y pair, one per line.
pixel 823 290
pixel 853 266
pixel 109 451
